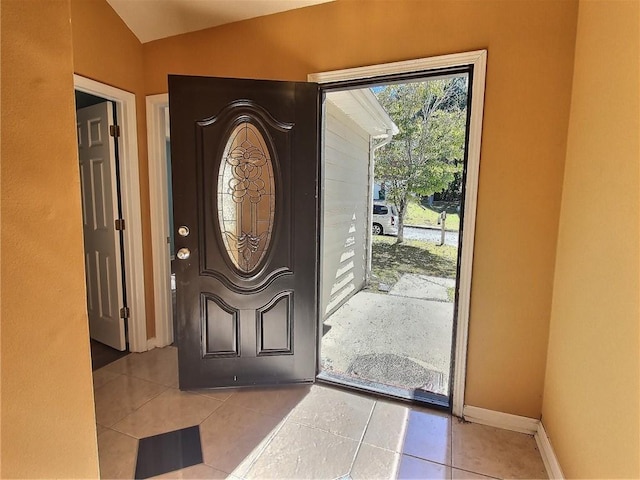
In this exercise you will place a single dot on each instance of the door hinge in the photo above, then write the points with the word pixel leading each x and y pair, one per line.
pixel 124 312
pixel 114 130
pixel 119 223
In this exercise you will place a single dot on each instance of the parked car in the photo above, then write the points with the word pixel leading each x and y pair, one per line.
pixel 385 219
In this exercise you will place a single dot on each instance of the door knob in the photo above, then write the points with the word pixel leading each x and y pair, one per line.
pixel 183 253
pixel 183 231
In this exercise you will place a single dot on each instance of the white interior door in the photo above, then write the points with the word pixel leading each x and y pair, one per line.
pixel 99 211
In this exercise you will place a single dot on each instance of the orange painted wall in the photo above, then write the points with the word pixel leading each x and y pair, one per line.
pixel 48 420
pixel 530 62
pixel 592 388
pixel 105 50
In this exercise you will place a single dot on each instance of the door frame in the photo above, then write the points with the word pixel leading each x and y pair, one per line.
pixel 159 198
pixel 130 197
pixel 159 209
pixel 478 59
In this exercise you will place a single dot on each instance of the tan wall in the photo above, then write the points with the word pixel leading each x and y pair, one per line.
pixel 105 50
pixel 530 62
pixel 591 395
pixel 48 421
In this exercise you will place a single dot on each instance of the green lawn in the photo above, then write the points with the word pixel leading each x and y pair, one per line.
pixel 418 214
pixel 391 260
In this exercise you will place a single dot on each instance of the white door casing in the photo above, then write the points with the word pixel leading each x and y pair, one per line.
pixel 157 111
pixel 103 269
pixel 125 103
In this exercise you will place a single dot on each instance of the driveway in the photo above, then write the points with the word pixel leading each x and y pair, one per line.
pixel 395 339
pixel 430 235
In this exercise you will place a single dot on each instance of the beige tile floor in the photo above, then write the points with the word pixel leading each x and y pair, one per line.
pixel 295 432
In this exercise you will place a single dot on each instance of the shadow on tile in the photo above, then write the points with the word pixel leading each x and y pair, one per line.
pixel 168 452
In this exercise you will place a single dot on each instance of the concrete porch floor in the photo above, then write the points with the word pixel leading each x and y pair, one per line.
pixel 402 339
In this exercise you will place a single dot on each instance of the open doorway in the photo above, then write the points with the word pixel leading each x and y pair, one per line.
pixel 116 216
pixel 97 125
pixel 389 264
pixel 473 65
pixel 474 61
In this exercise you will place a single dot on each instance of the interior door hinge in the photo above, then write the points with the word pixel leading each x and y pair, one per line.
pixel 124 312
pixel 114 130
pixel 119 223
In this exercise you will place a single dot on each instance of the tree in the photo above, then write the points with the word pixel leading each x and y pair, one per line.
pixel 424 157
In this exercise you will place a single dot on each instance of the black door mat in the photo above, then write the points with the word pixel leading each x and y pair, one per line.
pixel 168 452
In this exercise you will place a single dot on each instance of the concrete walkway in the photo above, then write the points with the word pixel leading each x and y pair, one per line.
pixel 423 287
pixel 395 339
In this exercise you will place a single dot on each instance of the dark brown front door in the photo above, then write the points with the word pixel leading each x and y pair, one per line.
pixel 245 201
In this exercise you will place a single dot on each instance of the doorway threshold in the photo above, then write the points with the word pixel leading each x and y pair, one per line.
pixel 415 396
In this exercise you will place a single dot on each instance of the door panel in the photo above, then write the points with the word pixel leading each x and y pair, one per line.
pixel 245 170
pixel 96 152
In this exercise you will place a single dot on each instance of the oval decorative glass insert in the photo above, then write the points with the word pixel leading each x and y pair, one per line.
pixel 246 197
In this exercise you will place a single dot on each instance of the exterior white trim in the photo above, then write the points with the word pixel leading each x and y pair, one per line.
pixel 548 455
pixel 469 228
pixel 506 421
pixel 364 109
pixel 158 174
pixel 130 196
pixel 394 68
pixel 478 59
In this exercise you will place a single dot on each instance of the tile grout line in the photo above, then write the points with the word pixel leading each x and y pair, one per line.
pixel 325 430
pixel 268 442
pixel 106 383
pixel 148 401
pixel 214 411
pixel 167 388
pixel 139 407
pixel 475 473
pixel 452 419
pixel 135 463
pixel 126 435
pixel 364 432
pixel 435 462
pixel 177 387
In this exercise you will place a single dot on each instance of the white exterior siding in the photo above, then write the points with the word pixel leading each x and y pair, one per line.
pixel 346 208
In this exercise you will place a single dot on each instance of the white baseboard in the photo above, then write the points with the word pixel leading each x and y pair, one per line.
pixel 502 420
pixel 548 455
pixel 516 423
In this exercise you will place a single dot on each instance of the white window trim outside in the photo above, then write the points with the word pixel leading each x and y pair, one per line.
pixel 478 59
pixel 130 197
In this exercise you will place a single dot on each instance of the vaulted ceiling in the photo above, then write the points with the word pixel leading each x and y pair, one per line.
pixel 154 19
